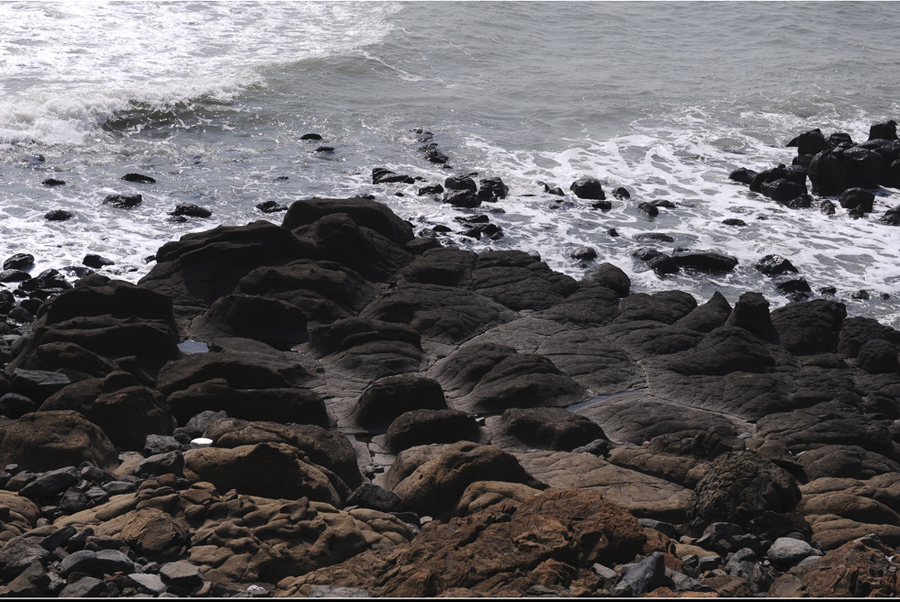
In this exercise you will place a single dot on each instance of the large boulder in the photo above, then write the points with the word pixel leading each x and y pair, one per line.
pixel 327 449
pixel 111 319
pixel 549 428
pixel 283 404
pixel 272 321
pixel 126 411
pixel 363 211
pixel 809 327
pixel 392 396
pixel 324 290
pixel 434 487
pixel 588 188
pixel 492 378
pixel 826 174
pixel 738 487
pixel 423 427
pixel 266 469
pixel 43 441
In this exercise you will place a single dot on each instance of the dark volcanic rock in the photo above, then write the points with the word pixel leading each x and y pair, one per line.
pixel 493 378
pixel 423 427
pixel 610 276
pixel 272 321
pixel 588 188
pixel 127 414
pixel 520 281
pixel 114 320
pixel 19 261
pixel 858 199
pixel 284 404
pixel 58 215
pixel 122 201
pixel 372 348
pixel 460 183
pixel 140 178
pixel 439 313
pixel 381 175
pixel 492 189
pixel 390 397
pixel 809 327
pixel 775 265
pixel 96 261
pixel 743 175
pixel 190 210
pixel 706 261
pixel 467 199
pixel 549 428
pixel 50 440
pixel 826 174
pixel 783 190
pixel 324 290
pixel 809 143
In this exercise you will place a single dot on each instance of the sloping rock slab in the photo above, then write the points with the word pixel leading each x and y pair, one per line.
pixel 444 314
pixel 640 416
pixel 325 290
pixel 643 495
pixel 492 378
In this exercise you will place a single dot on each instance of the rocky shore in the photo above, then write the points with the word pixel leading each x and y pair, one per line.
pixel 338 407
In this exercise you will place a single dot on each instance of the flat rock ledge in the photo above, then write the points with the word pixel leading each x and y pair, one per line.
pixel 334 407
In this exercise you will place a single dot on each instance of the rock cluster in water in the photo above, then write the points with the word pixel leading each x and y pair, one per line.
pixel 366 412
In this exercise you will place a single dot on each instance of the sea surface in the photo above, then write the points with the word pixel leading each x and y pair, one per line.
pixel 664 99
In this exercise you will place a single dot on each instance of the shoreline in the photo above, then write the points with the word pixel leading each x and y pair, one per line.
pixel 452 371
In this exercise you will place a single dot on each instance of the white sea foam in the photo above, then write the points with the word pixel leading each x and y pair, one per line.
pixel 67 67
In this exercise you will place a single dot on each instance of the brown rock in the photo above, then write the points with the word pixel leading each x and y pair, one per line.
pixel 43 441
pixel 152 532
pixel 434 488
pixel 861 568
pixel 549 542
pixel 266 469
pixel 127 414
pixel 740 486
pixel 483 494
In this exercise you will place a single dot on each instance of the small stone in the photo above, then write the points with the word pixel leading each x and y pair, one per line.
pixel 139 178
pixel 190 210
pixel 148 581
pixel 53 182
pixel 86 587
pixel 790 551
pixel 271 207
pixel 311 136
pixel 181 574
pixel 119 487
pixel 122 201
pixel 96 261
pixel 584 253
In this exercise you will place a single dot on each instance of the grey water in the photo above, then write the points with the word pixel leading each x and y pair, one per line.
pixel 663 98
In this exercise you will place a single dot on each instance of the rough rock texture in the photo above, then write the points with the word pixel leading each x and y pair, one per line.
pixel 382 413
pixel 550 539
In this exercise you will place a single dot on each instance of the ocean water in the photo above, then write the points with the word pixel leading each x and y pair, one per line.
pixel 665 99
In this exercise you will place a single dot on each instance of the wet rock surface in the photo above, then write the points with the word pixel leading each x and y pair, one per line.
pixel 371 415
